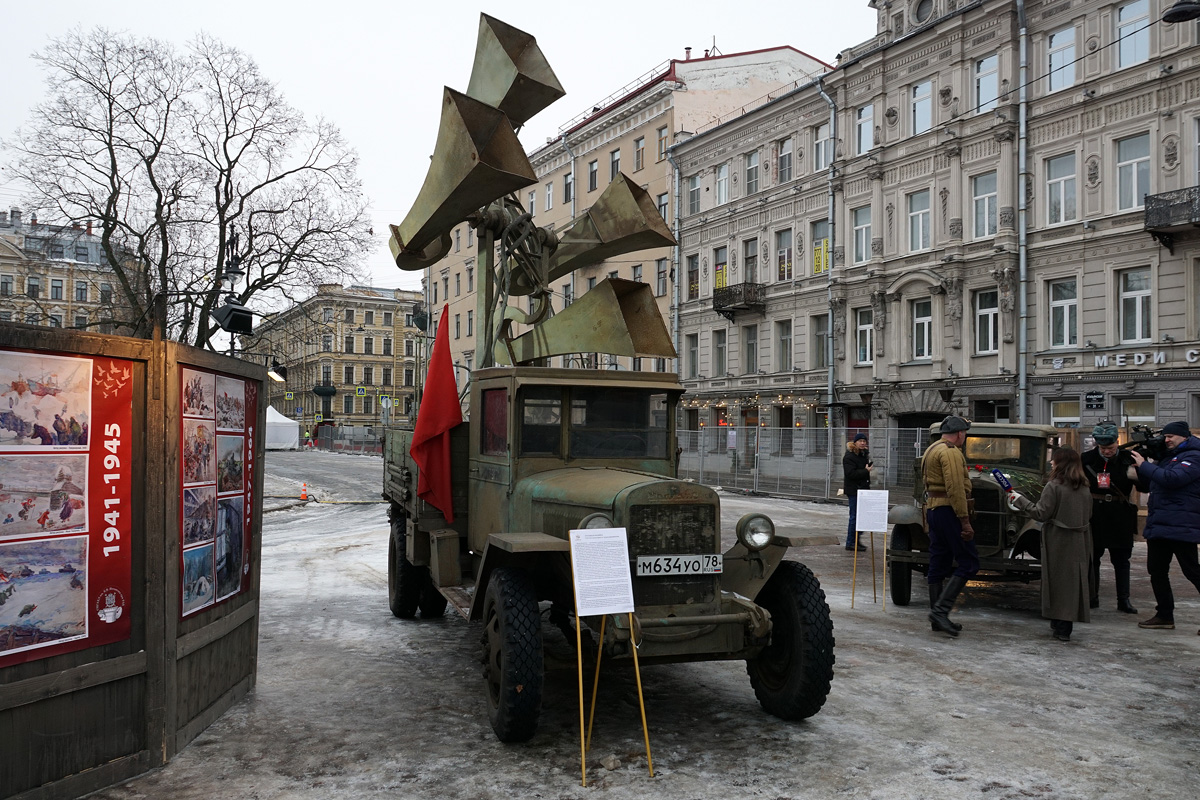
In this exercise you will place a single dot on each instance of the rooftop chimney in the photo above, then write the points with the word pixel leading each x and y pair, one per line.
pixel 89 228
pixel 33 219
pixel 687 54
pixel 15 216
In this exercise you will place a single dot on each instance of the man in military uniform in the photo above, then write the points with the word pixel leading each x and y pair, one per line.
pixel 947 509
pixel 1114 515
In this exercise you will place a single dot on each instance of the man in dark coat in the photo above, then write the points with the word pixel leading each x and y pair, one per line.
pixel 1173 521
pixel 1114 515
pixel 856 471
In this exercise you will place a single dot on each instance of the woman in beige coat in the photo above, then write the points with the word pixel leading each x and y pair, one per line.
pixel 1064 508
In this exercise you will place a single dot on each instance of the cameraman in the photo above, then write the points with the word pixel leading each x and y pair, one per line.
pixel 1114 516
pixel 1173 523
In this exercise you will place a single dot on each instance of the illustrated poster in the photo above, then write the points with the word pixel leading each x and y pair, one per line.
pixel 216 482
pixel 65 488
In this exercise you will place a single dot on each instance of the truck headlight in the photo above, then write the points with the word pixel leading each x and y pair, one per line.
pixel 755 531
pixel 596 520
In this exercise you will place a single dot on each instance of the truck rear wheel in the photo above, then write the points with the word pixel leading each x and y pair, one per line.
pixel 512 641
pixel 405 581
pixel 792 675
pixel 901 572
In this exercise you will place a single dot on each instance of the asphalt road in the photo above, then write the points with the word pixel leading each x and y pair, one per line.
pixel 353 703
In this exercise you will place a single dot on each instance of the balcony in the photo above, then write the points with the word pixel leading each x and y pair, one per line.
pixel 325 389
pixel 728 300
pixel 1171 213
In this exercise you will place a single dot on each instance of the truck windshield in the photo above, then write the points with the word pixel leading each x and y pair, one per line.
pixel 1026 452
pixel 618 423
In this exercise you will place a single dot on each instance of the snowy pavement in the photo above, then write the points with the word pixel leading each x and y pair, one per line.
pixel 353 703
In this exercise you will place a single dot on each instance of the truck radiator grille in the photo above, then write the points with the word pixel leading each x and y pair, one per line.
pixel 989 518
pixel 666 529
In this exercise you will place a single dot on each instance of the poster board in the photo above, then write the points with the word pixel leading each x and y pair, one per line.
pixel 600 570
pixel 66 458
pixel 872 510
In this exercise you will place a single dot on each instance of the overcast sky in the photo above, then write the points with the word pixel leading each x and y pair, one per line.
pixel 377 69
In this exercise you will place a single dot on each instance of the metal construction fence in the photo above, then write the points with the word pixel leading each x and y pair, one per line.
pixel 361 439
pixel 797 462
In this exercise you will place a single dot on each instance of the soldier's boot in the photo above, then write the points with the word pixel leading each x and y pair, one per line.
pixel 935 592
pixel 1122 579
pixel 940 615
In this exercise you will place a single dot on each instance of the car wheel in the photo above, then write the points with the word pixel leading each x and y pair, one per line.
pixel 901 573
pixel 792 675
pixel 513 671
pixel 405 581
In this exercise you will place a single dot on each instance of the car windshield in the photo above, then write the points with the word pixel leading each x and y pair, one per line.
pixel 1026 452
pixel 604 422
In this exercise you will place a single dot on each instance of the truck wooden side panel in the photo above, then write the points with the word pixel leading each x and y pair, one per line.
pixel 401 473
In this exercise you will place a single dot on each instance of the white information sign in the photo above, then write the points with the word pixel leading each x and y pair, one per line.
pixel 872 510
pixel 600 563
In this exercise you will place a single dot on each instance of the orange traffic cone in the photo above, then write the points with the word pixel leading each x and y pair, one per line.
pixel 304 491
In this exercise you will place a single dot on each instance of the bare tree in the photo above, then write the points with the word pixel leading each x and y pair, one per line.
pixel 169 153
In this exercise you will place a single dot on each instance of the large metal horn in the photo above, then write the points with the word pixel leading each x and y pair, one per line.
pixel 622 220
pixel 510 72
pixel 476 160
pixel 616 316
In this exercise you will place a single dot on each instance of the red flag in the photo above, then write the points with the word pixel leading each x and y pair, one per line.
pixel 437 414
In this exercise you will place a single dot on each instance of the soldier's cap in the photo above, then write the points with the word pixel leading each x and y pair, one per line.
pixel 1105 432
pixel 954 424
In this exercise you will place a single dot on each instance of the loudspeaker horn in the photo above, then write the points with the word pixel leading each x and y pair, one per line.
pixel 616 316
pixel 510 72
pixel 623 220
pixel 476 160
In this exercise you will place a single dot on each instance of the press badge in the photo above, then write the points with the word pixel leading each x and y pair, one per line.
pixel 1103 480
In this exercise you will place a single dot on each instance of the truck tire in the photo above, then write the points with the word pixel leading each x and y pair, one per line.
pixel 512 649
pixel 792 675
pixel 405 581
pixel 902 572
pixel 433 602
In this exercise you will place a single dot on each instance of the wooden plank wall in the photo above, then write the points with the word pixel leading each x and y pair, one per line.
pixel 77 722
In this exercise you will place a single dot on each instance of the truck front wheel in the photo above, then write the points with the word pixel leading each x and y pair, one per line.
pixel 792 675
pixel 405 580
pixel 512 651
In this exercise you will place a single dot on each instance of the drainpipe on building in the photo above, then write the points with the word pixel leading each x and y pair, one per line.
pixel 1022 222
pixel 574 191
pixel 832 243
pixel 676 189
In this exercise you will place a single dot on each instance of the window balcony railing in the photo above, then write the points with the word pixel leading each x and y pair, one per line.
pixel 1170 213
pixel 325 389
pixel 728 300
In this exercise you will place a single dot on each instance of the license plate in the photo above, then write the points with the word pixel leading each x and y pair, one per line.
pixel 650 566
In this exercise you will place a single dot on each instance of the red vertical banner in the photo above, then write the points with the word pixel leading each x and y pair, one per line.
pixel 66 472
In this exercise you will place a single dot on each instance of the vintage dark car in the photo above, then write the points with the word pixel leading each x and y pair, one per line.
pixel 1009 542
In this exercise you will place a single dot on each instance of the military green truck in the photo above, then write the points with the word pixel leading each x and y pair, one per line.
pixel 1008 541
pixel 548 450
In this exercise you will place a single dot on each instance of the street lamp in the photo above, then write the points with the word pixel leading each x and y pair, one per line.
pixel 1182 11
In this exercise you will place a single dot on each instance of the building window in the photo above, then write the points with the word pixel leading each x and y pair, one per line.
pixel 349 345
pixel 550 195
pixel 81 291
pixel 368 405
pixel 693 192
pixel 639 153
pixel 921 106
pixel 692 349
pixel 56 250
pixel 864 129
pixel 751 173
pixel 6 286
pixel 368 376
pixel 387 346
pixel 55 321
pixel 1064 413
pixel 408 376
pixel 614 164
pixel 348 404
pixel 750 260
pixel 783 345
pixel 662 143
pixel 81 321
pixel 387 376
pixel 720 267
pixel 33 287
pixel 987 321
pixel 387 319
pixel 568 187
pixel 820 243
pixel 1138 411
pixel 56 289
pixel 6 316
pixel 369 316
pixel 457 240
pixel 693 277
pixel 327 315
pixel 719 363
pixel 820 342
pixel 591 284
pixel 722 185
pixel 864 336
pixel 593 175
pixel 368 345
pixel 350 316
pixel 663 204
pixel 822 148
pixel 785 160
pixel 1133 34
pixel 922 329
pixel 749 349
pixel 1060 47
pixel 987 83
pixel 1060 189
pixel 861 219
pixel 82 255
pixel 532 210
pixel 637 273
pixel 918 221
pixel 458 324
pixel 983 191
pixel 470 279
pixel 105 293
pixel 408 347
pixel 924 10
pixel 783 255
pixel 1133 171
pixel 1135 305
pixel 327 343
pixel 1064 314
pixel 457 284
pixel 660 269
pixel 327 374
pixel 348 374
pixel 470 323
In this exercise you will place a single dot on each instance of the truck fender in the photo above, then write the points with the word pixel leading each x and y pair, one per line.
pixel 745 573
pixel 905 515
pixel 524 550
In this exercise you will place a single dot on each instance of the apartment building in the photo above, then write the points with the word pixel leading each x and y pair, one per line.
pixel 349 352
pixel 937 225
pixel 628 132
pixel 53 275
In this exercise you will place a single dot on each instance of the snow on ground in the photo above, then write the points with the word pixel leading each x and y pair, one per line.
pixel 353 703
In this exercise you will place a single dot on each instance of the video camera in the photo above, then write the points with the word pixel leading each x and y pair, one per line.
pixel 1144 440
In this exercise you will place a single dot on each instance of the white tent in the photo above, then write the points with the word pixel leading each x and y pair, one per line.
pixel 282 433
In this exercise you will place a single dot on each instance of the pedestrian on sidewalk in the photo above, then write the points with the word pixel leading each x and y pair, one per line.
pixel 856 473
pixel 1114 513
pixel 1064 508
pixel 1173 518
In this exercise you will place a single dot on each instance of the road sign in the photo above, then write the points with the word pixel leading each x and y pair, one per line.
pixel 385 401
pixel 289 395
pixel 317 418
pixel 299 409
pixel 360 391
